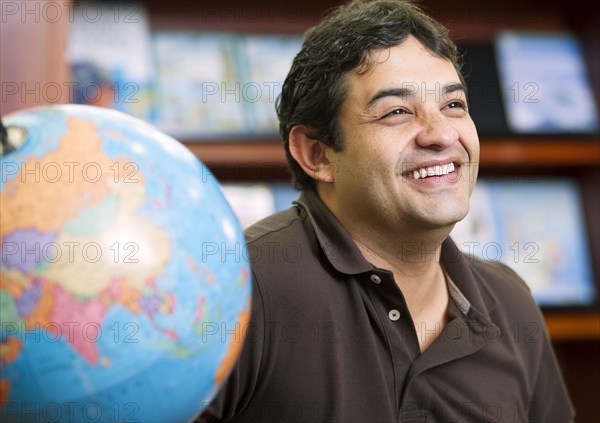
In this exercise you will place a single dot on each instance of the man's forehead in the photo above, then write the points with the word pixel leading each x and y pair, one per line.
pixel 409 62
pixel 409 47
pixel 368 88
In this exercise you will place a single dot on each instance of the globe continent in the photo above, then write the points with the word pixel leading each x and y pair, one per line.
pixel 124 282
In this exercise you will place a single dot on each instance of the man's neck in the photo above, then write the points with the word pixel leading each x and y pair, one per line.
pixel 410 252
pixel 407 248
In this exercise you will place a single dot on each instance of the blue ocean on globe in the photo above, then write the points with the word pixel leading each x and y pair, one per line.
pixel 124 281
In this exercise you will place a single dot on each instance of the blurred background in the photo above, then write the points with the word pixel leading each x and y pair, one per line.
pixel 208 73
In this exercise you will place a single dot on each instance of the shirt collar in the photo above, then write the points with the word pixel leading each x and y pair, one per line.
pixel 466 279
pixel 335 241
pixel 343 254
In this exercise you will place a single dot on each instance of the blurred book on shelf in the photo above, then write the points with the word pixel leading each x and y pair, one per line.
pixel 110 57
pixel 544 83
pixel 535 226
pixel 529 83
pixel 194 85
pixel 252 202
pixel 219 85
pixel 204 85
pixel 284 195
pixel 264 61
pixel 197 85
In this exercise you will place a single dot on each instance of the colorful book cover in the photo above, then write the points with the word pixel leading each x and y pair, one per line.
pixel 109 52
pixel 284 195
pixel 537 228
pixel 544 83
pixel 250 202
pixel 264 62
pixel 199 94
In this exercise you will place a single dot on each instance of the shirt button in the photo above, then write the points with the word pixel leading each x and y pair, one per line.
pixel 394 315
pixel 375 279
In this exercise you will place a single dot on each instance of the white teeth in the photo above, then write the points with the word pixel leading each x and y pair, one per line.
pixel 433 171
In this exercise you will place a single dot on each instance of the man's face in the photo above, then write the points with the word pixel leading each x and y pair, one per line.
pixel 411 150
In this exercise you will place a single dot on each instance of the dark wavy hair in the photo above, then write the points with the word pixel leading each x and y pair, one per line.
pixel 315 88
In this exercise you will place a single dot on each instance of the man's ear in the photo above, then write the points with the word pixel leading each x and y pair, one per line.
pixel 311 154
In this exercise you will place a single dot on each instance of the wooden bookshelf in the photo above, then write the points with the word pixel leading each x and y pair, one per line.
pixel 494 151
pixel 541 152
pixel 573 326
pixel 236 152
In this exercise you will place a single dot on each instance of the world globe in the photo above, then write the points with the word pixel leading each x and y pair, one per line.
pixel 124 282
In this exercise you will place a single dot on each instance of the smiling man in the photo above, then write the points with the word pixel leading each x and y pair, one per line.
pixel 364 310
pixel 405 173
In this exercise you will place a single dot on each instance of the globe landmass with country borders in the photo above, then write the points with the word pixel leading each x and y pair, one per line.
pixel 124 282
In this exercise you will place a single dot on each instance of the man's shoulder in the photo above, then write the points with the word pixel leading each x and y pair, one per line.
pixel 275 226
pixel 498 276
pixel 501 285
pixel 282 250
pixel 492 277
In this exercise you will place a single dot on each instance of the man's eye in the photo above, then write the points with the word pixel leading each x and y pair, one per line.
pixel 456 105
pixel 396 112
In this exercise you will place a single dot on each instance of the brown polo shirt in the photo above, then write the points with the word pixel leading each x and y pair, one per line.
pixel 331 338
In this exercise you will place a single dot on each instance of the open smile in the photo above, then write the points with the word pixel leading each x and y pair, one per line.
pixel 430 171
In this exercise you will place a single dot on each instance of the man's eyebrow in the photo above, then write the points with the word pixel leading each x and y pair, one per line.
pixel 390 92
pixel 451 88
pixel 405 92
